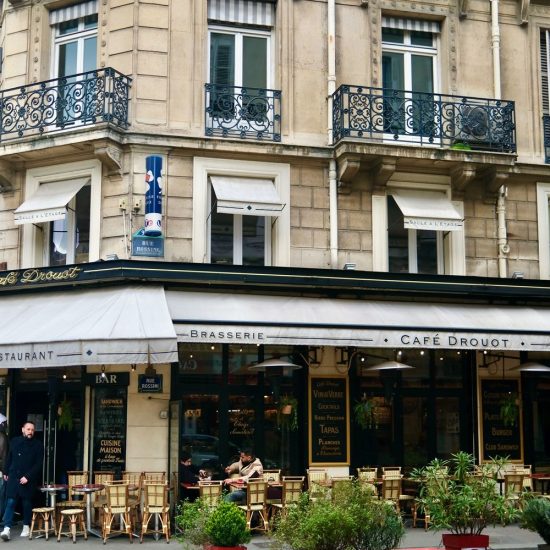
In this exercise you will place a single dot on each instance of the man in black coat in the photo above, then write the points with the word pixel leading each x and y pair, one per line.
pixel 22 472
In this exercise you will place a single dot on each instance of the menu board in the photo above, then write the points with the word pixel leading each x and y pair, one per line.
pixel 500 436
pixel 109 446
pixel 328 421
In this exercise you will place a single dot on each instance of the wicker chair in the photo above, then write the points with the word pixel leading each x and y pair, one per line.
pixel 117 505
pixel 256 502
pixel 100 497
pixel 74 498
pixel 155 503
pixel 292 490
pixel 317 479
pixel 210 492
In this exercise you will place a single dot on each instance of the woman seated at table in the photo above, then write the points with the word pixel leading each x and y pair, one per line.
pixel 248 467
pixel 190 476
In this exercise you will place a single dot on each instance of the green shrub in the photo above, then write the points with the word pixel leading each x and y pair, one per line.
pixel 536 517
pixel 226 526
pixel 191 519
pixel 353 520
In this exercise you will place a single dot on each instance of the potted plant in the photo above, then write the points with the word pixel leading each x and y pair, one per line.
pixel 287 412
pixel 353 518
pixel 226 528
pixel 364 413
pixel 536 517
pixel 464 502
pixel 190 520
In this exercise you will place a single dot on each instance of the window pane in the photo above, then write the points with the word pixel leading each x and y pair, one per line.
pixel 242 421
pixel 426 244
pixel 398 239
pixel 202 363
pixel 448 426
pixel 395 36
pixel 253 240
pixel 240 358
pixel 419 38
pixel 67 64
pixel 58 242
pixel 422 73
pixel 90 22
pixel 82 217
pixel 90 54
pixel 415 440
pixel 393 73
pixel 222 59
pixel 68 27
pixel 254 62
pixel 221 238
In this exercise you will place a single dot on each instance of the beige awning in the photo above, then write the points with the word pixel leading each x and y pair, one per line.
pixel 49 202
pixel 246 196
pixel 427 210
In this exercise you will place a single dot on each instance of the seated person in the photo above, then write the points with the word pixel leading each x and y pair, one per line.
pixel 189 475
pixel 248 467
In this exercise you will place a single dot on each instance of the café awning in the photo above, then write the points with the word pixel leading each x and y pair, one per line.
pixel 49 202
pixel 427 210
pixel 121 325
pixel 246 196
pixel 295 320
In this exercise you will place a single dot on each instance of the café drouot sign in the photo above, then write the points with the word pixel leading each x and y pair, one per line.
pixel 37 276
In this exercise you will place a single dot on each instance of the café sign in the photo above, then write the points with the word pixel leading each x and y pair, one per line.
pixel 34 276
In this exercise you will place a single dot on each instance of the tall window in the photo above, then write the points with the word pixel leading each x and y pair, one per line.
pixel 544 65
pixel 412 250
pixel 408 73
pixel 68 240
pixel 237 239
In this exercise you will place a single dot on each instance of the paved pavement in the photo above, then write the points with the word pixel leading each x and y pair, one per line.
pixel 502 538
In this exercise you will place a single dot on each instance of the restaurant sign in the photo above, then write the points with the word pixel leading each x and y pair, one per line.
pixel 35 276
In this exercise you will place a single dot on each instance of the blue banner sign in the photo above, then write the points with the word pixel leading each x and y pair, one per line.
pixel 153 196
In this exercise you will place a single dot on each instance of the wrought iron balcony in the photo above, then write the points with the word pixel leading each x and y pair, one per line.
pixel 399 116
pixel 65 102
pixel 243 112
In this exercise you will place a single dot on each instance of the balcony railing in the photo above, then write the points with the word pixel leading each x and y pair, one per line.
pixel 65 102
pixel 399 116
pixel 233 111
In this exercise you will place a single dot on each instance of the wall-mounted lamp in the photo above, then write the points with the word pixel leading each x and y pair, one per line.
pixel 103 375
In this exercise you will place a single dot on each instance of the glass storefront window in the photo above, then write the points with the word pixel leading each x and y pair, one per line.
pixel 242 421
pixel 240 359
pixel 447 419
pixel 415 433
pixel 201 361
pixel 419 376
pixel 449 368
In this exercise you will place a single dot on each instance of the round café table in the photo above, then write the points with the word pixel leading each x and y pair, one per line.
pixel 51 490
pixel 88 489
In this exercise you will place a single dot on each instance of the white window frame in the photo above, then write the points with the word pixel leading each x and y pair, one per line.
pixel 543 218
pixel 451 258
pixel 239 33
pixel 238 235
pixel 35 238
pixel 78 36
pixel 408 50
pixel 279 173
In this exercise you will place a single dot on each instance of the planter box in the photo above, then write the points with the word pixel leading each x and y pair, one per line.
pixel 212 547
pixel 463 542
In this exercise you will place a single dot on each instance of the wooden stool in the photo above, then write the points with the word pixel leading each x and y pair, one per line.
pixel 74 516
pixel 45 522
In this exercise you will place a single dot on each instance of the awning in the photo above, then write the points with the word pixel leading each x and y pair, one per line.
pixel 404 23
pixel 244 12
pixel 427 210
pixel 247 196
pixel 49 202
pixel 75 11
pixel 86 327
pixel 231 318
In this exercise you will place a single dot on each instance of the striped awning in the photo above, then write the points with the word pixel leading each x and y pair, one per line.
pixel 411 24
pixel 75 11
pixel 245 12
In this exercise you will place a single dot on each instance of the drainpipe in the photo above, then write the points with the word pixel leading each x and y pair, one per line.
pixel 503 246
pixel 333 169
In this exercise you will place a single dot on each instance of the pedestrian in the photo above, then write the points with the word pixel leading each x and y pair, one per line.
pixel 248 467
pixel 3 454
pixel 23 468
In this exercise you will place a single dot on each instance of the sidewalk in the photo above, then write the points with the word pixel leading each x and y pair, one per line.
pixel 502 538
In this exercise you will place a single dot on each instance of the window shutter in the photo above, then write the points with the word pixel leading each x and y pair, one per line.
pixel 222 68
pixel 544 71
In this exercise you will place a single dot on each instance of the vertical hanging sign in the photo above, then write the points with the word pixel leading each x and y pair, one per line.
pixel 149 240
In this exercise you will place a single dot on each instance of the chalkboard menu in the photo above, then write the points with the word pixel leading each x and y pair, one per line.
pixel 328 421
pixel 109 451
pixel 501 433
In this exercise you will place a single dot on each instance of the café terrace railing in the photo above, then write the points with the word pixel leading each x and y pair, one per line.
pixel 235 111
pixel 425 119
pixel 65 102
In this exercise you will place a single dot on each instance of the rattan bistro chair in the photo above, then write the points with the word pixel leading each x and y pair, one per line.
pixel 292 491
pixel 210 492
pixel 117 505
pixel 155 503
pixel 256 503
pixel 317 480
pixel 74 498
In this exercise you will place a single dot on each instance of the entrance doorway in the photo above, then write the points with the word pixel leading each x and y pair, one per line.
pixel 53 400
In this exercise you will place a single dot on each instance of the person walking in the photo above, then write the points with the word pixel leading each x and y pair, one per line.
pixel 22 472
pixel 3 456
